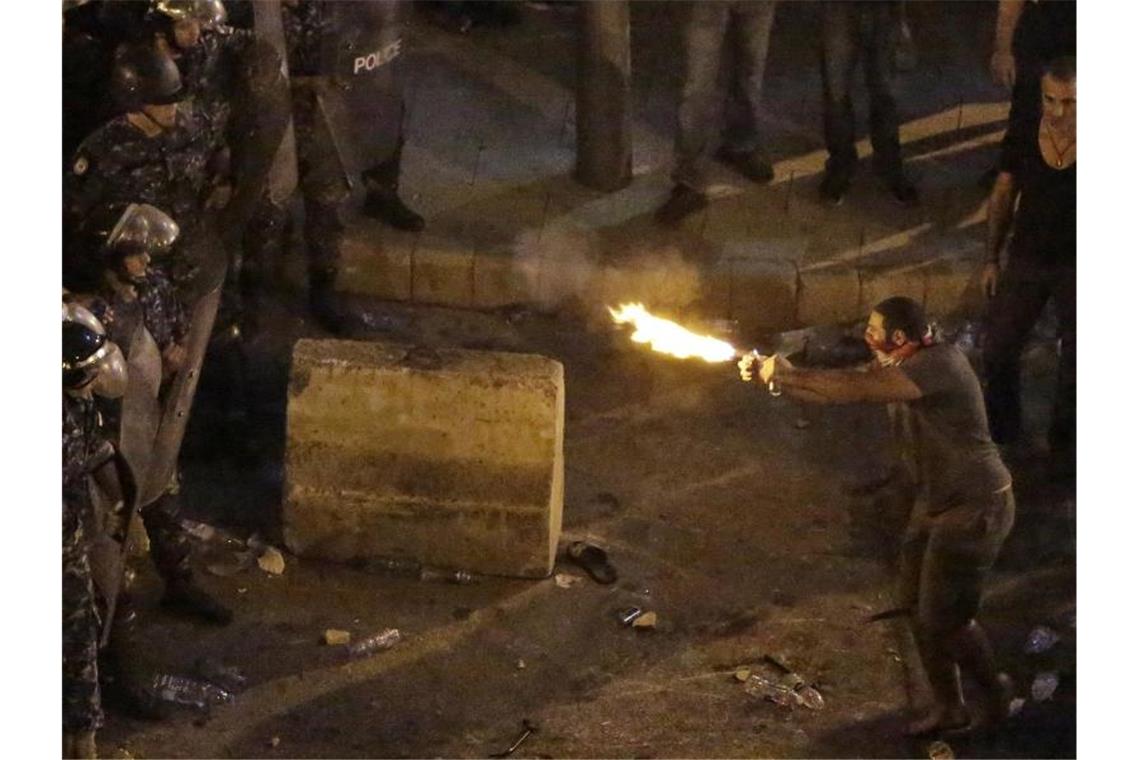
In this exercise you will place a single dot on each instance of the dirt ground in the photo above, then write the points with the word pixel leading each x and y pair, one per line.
pixel 731 514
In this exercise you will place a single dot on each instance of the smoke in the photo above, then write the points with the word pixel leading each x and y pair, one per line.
pixel 565 266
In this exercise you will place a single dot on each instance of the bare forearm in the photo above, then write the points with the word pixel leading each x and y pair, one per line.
pixel 833 386
pixel 998 222
pixel 1009 11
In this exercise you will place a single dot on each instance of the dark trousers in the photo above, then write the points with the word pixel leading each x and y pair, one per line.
pixel 1023 290
pixel 82 710
pixel 719 33
pixel 852 32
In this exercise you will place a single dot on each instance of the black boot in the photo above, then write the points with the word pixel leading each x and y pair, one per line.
pixel 682 202
pixel 386 205
pixel 323 301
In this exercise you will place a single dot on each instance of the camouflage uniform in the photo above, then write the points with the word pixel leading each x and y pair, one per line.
pixel 81 625
pixel 175 171
pixel 166 320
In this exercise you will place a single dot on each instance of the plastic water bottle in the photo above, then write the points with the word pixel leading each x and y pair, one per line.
pixel 762 688
pixel 386 639
pixel 181 690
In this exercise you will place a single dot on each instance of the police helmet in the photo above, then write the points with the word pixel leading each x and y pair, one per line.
pixel 124 229
pixel 144 74
pixel 90 358
pixel 210 14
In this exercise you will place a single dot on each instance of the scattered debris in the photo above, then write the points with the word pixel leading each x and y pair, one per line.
pixel 335 637
pixel 227 677
pixel 802 423
pixel 894 612
pixel 521 664
pixel 242 589
pixel 1015 706
pixel 458 577
pixel 628 615
pixel 762 687
pixel 940 750
pixel 593 560
pixel 386 639
pixel 189 692
pixel 1041 639
pixel 807 695
pixel 122 753
pixel 274 741
pixel 231 564
pixel 1043 686
pixel 565 580
pixel 742 674
pixel 271 561
pixel 646 620
pixel 528 728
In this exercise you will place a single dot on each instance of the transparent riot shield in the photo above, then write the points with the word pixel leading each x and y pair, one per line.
pixel 360 96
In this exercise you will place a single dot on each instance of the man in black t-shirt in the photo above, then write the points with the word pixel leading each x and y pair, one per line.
pixel 965 506
pixel 1036 195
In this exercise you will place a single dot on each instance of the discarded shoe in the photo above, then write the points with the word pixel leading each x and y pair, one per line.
pixel 593 560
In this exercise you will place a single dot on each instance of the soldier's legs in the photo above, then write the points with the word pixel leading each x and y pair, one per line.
pixel 1021 295
pixel 880 27
pixel 383 200
pixel 839 55
pixel 82 710
pixel 170 549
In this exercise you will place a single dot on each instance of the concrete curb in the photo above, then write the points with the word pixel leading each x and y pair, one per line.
pixel 762 286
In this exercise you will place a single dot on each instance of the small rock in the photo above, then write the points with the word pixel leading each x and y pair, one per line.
pixel 802 424
pixel 242 589
pixel 335 637
pixel 648 620
pixel 271 561
pixel 565 580
pixel 521 664
pixel 742 674
pixel 1016 705
pixel 274 741
pixel 940 751
pixel 1043 686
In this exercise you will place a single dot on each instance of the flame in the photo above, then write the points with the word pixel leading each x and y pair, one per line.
pixel 669 337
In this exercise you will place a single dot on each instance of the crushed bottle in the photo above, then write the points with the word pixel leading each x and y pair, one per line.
pixel 386 639
pixel 763 687
pixel 227 678
pixel 458 577
pixel 1041 639
pixel 190 692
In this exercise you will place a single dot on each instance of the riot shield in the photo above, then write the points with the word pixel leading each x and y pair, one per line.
pixel 282 181
pixel 260 111
pixel 115 495
pixel 360 95
pixel 202 298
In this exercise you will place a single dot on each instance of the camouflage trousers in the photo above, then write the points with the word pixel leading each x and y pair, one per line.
pixel 81 702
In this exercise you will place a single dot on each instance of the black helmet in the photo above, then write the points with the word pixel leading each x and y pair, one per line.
pixel 144 74
pixel 210 14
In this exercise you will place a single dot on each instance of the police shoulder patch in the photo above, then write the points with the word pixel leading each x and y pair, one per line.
pixel 80 166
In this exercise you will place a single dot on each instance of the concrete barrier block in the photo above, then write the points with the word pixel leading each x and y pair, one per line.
pixel 453 458
pixel 498 281
pixel 376 262
pixel 826 296
pixel 877 284
pixel 442 274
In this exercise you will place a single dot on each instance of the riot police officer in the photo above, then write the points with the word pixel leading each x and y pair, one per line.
pixel 159 151
pixel 348 117
pixel 92 364
pixel 125 237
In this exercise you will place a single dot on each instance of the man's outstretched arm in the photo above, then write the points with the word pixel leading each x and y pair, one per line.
pixel 845 386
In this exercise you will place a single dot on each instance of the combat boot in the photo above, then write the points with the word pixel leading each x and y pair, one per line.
pixel 323 302
pixel 387 206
